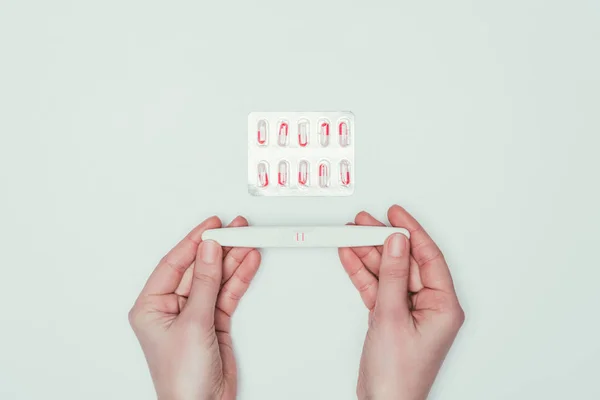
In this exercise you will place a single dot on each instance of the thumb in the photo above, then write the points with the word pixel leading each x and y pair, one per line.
pixel 206 284
pixel 392 296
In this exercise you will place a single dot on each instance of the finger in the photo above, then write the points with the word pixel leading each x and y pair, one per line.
pixel 153 310
pixel 236 286
pixel 362 279
pixel 206 284
pixel 369 255
pixel 230 263
pixel 184 287
pixel 232 259
pixel 414 283
pixel 236 222
pixel 233 256
pixel 433 269
pixel 392 297
pixel 364 218
pixel 373 262
pixel 167 275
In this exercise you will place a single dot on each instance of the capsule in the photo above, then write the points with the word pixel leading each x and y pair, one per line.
pixel 263 174
pixel 283 173
pixel 303 132
pixel 344 133
pixel 303 173
pixel 345 172
pixel 282 134
pixel 262 132
pixel 324 174
pixel 324 132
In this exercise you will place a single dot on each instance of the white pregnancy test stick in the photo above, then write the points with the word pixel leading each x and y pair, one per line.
pixel 302 236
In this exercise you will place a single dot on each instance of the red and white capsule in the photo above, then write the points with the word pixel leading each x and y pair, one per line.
pixel 303 173
pixel 262 136
pixel 303 132
pixel 263 174
pixel 324 174
pixel 324 132
pixel 345 172
pixel 282 133
pixel 283 173
pixel 344 132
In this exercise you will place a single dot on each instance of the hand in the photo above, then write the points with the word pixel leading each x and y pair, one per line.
pixel 414 312
pixel 182 318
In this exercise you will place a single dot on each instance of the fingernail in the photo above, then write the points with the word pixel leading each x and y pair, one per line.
pixel 210 250
pixel 396 245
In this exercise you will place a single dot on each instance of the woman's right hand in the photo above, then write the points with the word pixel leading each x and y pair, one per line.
pixel 414 312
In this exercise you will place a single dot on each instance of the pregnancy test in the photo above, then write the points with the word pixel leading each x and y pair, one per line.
pixel 302 236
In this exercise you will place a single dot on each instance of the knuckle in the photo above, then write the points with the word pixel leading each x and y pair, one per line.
pixel 429 254
pixel 245 279
pixel 364 287
pixel 394 271
pixel 460 316
pixel 233 256
pixel 231 295
pixel 134 317
pixel 353 273
pixel 455 316
pixel 206 279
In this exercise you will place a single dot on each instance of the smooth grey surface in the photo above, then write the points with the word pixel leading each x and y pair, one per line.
pixel 123 124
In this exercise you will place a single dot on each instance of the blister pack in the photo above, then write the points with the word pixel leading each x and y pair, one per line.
pixel 301 153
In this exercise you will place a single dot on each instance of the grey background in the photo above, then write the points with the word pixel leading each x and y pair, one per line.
pixel 123 124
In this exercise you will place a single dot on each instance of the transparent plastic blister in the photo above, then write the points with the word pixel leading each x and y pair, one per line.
pixel 301 153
